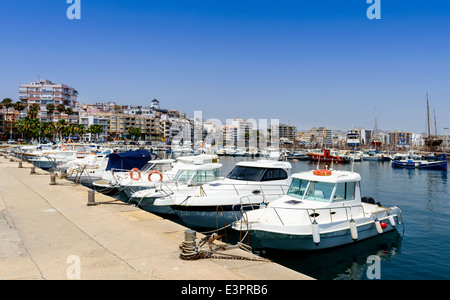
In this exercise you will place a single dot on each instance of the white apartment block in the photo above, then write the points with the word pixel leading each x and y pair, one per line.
pixel 45 92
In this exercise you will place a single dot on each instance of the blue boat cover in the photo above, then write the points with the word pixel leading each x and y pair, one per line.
pixel 129 160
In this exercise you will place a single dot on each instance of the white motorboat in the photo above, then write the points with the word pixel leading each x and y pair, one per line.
pixel 218 203
pixel 186 181
pixel 372 156
pixel 322 209
pixel 120 166
pixel 46 158
pixel 85 170
pixel 160 170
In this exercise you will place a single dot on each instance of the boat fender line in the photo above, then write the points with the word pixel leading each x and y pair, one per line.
pixel 322 172
pixel 315 232
pixel 155 172
pixel 132 173
pixel 353 230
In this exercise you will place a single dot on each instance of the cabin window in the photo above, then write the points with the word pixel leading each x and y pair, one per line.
pixel 274 174
pixel 198 176
pixel 297 188
pixel 319 191
pixel 344 191
pixel 246 173
pixel 206 175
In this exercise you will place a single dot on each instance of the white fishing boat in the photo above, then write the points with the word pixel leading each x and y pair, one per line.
pixel 322 209
pixel 160 170
pixel 85 170
pixel 372 156
pixel 47 158
pixel 120 166
pixel 218 203
pixel 186 181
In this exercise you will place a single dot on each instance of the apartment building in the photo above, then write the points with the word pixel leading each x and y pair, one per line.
pixel 287 132
pixel 318 136
pixel 400 139
pixel 45 92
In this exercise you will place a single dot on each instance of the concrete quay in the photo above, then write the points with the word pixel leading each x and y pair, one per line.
pixel 49 232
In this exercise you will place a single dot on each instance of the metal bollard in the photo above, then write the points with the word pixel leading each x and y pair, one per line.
pixel 189 249
pixel 190 236
pixel 91 198
pixel 53 179
pixel 20 164
pixel 33 170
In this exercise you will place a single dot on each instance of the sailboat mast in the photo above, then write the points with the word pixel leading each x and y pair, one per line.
pixel 435 127
pixel 428 116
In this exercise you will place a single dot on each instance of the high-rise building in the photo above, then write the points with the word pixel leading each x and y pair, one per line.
pixel 45 92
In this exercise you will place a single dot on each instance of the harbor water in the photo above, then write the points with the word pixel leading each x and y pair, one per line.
pixel 417 250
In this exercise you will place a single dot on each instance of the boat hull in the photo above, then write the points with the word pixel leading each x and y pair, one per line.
pixel 211 216
pixel 283 241
pixel 434 165
pixel 147 204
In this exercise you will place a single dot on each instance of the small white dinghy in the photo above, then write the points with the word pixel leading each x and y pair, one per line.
pixel 322 209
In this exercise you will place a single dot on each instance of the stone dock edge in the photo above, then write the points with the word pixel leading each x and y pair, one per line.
pixel 48 232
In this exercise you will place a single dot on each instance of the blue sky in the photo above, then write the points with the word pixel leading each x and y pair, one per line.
pixel 307 63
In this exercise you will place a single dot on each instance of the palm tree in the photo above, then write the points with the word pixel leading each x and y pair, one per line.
pixel 19 106
pixel 134 131
pixel 60 126
pixel 33 110
pixel 61 108
pixel 48 129
pixel 50 108
pixel 79 130
pixel 95 129
pixel 29 127
pixel 7 102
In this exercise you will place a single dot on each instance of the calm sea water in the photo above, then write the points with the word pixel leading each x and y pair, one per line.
pixel 419 250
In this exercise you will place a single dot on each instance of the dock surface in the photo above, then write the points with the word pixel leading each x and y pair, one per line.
pixel 49 232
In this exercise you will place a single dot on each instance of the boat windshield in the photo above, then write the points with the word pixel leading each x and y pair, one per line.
pixel 297 188
pixel 198 176
pixel 161 167
pixel 246 173
pixel 315 190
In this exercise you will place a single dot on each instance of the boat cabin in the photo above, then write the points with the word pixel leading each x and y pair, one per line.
pixel 262 170
pixel 332 187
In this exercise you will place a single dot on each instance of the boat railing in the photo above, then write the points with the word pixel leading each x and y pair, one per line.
pixel 257 189
pixel 314 213
pixel 245 203
pixel 42 160
pixel 118 174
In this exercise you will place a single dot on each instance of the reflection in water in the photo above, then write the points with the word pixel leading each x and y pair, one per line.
pixel 347 262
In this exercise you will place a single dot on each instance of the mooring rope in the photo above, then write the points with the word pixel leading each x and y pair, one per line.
pixel 190 250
